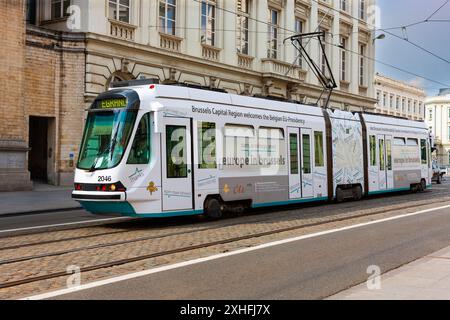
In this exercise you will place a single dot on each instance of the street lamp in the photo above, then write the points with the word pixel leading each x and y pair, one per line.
pixel 379 37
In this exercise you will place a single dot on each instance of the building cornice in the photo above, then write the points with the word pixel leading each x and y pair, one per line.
pixel 396 84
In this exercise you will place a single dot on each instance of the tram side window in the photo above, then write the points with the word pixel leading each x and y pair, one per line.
pixel 207 145
pixel 399 142
pixel 140 150
pixel 318 148
pixel 293 144
pixel 373 151
pixel 239 140
pixel 412 142
pixel 423 150
pixel 306 153
pixel 270 145
pixel 381 146
pixel 176 155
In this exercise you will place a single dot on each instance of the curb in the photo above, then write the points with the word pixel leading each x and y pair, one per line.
pixel 33 212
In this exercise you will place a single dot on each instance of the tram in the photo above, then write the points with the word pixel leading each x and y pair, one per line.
pixel 151 150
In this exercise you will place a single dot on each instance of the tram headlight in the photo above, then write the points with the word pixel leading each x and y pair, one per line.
pixel 113 187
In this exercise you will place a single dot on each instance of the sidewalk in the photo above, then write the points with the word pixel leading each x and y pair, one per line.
pixel 42 198
pixel 425 279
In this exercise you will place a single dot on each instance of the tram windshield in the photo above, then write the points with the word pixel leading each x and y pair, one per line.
pixel 105 140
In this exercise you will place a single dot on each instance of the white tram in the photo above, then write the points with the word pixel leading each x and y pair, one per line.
pixel 158 151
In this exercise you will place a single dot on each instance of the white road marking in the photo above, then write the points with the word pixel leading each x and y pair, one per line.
pixel 219 256
pixel 63 224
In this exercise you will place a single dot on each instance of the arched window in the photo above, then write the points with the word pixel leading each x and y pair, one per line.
pixel 117 77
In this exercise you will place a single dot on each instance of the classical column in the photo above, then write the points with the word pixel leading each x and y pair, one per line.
pixel 313 47
pixel 335 51
pixel 153 33
pixel 289 24
pixel 228 24
pixel 144 24
pixel 354 57
pixel 261 29
pixel 192 23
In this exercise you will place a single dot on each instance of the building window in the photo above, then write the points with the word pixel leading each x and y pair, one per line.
pixel 362 9
pixel 397 103
pixel 343 59
pixel 299 25
pixel 409 106
pixel 384 99
pixel 272 38
pixel 119 10
pixel 208 35
pixel 362 51
pixel 403 105
pixel 430 114
pixel 167 16
pixel 59 8
pixel 448 132
pixel 378 96
pixel 344 5
pixel 243 17
pixel 391 101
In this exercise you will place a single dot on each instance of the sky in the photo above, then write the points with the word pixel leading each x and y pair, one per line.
pixel 434 36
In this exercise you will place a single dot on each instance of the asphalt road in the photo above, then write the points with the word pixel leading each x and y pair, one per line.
pixel 312 268
pixel 46 219
pixel 39 220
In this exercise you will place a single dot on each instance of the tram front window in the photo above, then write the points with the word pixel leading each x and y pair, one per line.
pixel 106 137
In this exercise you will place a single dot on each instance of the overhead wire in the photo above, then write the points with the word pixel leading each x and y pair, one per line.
pixel 351 51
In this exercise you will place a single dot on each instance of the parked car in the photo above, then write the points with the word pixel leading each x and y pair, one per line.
pixel 437 173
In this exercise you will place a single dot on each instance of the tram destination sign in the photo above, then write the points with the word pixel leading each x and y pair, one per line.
pixel 112 103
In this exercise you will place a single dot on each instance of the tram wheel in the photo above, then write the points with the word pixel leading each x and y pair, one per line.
pixel 357 193
pixel 340 195
pixel 423 185
pixel 213 208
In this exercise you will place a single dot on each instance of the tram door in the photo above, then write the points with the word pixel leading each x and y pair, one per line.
pixel 307 156
pixel 385 174
pixel 295 190
pixel 177 165
pixel 300 163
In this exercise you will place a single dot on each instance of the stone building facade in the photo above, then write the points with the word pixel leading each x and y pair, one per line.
pixel 13 138
pixel 398 98
pixel 437 117
pixel 43 72
pixel 76 48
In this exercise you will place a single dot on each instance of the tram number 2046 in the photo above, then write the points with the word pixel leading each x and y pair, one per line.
pixel 104 179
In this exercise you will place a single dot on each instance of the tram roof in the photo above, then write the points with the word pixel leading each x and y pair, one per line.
pixel 215 97
pixel 206 96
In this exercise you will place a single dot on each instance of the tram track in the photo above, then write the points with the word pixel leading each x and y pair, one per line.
pixel 120 262
pixel 249 217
